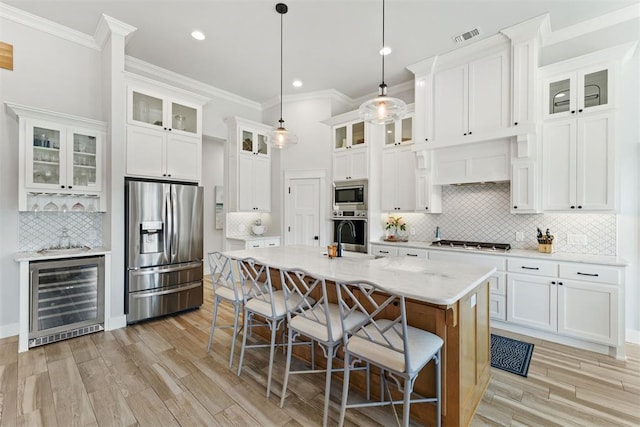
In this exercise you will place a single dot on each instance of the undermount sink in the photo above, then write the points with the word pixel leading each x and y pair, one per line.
pixel 63 251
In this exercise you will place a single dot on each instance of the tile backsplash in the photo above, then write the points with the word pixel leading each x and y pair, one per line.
pixel 38 230
pixel 481 212
pixel 239 223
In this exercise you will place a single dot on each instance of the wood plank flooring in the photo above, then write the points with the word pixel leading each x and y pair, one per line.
pixel 158 373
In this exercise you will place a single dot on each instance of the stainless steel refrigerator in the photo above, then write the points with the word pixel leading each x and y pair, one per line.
pixel 163 248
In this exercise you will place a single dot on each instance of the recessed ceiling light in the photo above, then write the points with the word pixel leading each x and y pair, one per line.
pixel 297 83
pixel 386 50
pixel 198 35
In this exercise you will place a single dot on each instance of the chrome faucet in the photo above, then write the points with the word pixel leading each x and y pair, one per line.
pixel 339 232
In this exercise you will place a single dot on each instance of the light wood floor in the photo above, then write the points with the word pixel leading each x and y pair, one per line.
pixel 159 374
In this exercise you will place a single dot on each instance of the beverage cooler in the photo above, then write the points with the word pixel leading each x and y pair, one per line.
pixel 66 299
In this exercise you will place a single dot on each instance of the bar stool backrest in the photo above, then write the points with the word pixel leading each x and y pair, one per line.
pixel 306 296
pixel 385 314
pixel 256 281
pixel 224 274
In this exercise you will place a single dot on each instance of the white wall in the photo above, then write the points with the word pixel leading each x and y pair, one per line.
pixel 313 151
pixel 49 73
pixel 212 175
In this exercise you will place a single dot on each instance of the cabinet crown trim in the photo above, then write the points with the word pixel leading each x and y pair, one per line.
pixel 40 113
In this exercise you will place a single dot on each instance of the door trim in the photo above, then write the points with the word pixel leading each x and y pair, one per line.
pixel 320 174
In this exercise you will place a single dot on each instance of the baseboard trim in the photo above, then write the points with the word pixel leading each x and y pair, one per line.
pixel 115 322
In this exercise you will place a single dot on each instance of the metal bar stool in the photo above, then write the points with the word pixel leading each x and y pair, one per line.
pixel 399 350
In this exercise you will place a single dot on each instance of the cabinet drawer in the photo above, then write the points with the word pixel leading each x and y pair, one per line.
pixel 413 252
pixel 271 242
pixel 497 262
pixel 590 273
pixel 383 251
pixel 498 284
pixel 533 266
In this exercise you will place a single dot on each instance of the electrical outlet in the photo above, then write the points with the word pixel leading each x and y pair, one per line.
pixel 412 231
pixel 242 228
pixel 576 239
pixel 519 236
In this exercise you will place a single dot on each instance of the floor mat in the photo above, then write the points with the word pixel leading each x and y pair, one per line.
pixel 510 355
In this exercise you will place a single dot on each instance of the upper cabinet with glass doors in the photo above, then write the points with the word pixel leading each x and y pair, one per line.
pixel 400 132
pixel 60 154
pixel 349 135
pixel 577 92
pixel 158 111
pixel 254 142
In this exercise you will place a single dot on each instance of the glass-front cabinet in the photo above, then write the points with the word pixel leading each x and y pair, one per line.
pixel 159 112
pixel 399 132
pixel 62 158
pixel 349 135
pixel 254 142
pixel 577 92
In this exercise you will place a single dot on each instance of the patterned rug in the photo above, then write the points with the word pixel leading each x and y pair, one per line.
pixel 510 355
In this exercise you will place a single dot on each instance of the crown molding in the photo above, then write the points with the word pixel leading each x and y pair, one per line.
pixel 332 94
pixel 107 26
pixel 37 23
pixel 528 29
pixel 585 27
pixel 138 66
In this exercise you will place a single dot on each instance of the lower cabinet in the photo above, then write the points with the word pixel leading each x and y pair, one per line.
pixel 387 250
pixel 586 309
pixel 248 243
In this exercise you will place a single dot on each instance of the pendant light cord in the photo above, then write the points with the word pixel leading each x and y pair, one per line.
pixel 281 62
pixel 383 55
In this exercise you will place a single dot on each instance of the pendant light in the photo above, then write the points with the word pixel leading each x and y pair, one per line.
pixel 382 109
pixel 280 137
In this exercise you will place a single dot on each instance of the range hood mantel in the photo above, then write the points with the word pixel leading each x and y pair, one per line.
pixel 476 159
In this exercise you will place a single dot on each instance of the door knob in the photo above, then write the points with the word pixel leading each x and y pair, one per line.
pixel 316 238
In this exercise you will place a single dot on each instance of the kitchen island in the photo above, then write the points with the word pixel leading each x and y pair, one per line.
pixel 448 299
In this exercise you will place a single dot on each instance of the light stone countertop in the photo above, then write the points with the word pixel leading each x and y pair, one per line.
pixel 251 237
pixel 517 253
pixel 435 282
pixel 57 254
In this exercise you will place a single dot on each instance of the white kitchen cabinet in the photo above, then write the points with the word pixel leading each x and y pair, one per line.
pixel 524 82
pixel 576 300
pixel 350 151
pixel 532 301
pixel 413 252
pixel 351 164
pixel 428 196
pixel 398 179
pixel 383 250
pixel 399 132
pixel 524 187
pixel 247 166
pixel 578 92
pixel 59 155
pixel 252 243
pixel 579 164
pixel 472 98
pixel 155 154
pixel 164 136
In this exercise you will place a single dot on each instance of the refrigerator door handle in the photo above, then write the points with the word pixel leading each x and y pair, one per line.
pixel 174 224
pixel 166 269
pixel 169 225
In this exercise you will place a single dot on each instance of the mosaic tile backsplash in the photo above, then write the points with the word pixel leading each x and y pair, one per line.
pixel 239 223
pixel 40 230
pixel 480 212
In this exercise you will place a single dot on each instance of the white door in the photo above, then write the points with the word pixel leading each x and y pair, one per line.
pixel 304 212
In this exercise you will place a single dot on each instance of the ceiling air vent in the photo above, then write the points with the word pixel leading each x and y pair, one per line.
pixel 467 36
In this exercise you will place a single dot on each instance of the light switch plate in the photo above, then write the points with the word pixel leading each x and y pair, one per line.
pixel 519 236
pixel 473 300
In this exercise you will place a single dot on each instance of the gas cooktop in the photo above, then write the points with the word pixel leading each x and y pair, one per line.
pixel 480 246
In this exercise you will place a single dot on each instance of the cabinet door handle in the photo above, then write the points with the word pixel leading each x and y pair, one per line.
pixel 384 252
pixel 560 283
pixel 515 123
pixel 515 207
pixel 412 254
pixel 530 268
pixel 553 282
pixel 573 207
pixel 573 111
pixel 580 110
pixel 588 274
pixel 426 208
pixel 470 132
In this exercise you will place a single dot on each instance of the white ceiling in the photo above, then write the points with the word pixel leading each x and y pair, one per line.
pixel 328 44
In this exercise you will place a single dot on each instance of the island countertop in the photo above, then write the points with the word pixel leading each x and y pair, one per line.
pixel 433 282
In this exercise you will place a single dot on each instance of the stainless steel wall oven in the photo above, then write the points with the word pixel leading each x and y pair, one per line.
pixel 66 297
pixel 357 243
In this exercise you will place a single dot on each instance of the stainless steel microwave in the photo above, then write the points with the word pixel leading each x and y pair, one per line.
pixel 352 195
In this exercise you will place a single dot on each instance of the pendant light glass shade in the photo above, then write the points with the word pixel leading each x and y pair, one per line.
pixel 382 109
pixel 281 137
